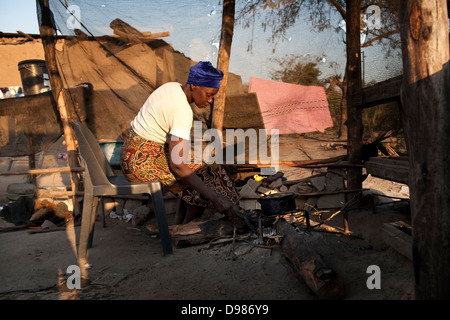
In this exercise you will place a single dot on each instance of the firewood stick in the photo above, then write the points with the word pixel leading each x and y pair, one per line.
pixel 232 244
pixel 44 171
pixel 348 204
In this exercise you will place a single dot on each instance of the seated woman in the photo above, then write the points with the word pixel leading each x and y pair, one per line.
pixel 162 128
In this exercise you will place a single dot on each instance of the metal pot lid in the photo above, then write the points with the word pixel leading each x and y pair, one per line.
pixel 277 195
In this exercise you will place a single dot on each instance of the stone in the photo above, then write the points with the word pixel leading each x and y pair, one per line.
pixel 249 204
pixel 263 190
pixel 334 182
pixel 318 183
pixel 276 183
pixel 140 215
pixel 310 203
pixel 266 191
pixel 131 204
pixel 331 201
pixel 300 203
pixel 274 177
pixel 301 188
pixel 247 191
pixel 47 224
pixel 253 184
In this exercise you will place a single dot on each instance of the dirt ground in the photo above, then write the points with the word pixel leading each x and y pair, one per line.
pixel 127 263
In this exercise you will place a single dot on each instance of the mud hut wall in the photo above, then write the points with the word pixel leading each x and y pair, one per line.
pixel 12 51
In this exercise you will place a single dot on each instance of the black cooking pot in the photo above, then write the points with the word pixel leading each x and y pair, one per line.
pixel 277 203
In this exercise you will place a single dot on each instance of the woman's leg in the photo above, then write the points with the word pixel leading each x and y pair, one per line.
pixel 187 212
pixel 143 160
pixel 193 212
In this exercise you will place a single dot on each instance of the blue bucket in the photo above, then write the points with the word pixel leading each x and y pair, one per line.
pixel 112 150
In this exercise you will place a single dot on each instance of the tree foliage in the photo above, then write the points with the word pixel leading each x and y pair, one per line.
pixel 296 69
pixel 280 15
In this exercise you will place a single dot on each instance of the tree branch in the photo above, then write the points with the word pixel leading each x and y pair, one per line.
pixel 339 8
pixel 379 37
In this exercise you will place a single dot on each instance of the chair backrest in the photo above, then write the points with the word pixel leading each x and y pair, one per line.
pixel 98 166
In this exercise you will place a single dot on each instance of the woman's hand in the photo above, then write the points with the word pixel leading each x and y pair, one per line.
pixel 226 207
pixel 222 203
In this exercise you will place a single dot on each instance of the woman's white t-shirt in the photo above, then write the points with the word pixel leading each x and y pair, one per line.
pixel 165 112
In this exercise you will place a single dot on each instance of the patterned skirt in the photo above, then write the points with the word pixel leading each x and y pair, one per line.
pixel 143 160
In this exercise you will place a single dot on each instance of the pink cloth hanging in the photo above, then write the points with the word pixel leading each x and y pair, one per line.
pixel 291 108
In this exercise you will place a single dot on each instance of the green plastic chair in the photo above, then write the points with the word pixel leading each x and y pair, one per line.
pixel 100 180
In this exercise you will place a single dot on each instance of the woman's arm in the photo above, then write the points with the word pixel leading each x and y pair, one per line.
pixel 178 152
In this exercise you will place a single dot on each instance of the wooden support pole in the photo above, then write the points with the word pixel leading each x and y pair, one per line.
pixel 354 115
pixel 31 158
pixel 224 61
pixel 71 144
pixel 48 32
pixel 426 112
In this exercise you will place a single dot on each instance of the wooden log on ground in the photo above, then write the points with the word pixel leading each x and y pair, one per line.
pixel 197 232
pixel 400 240
pixel 319 277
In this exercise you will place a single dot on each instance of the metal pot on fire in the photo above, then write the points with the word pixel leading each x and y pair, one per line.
pixel 277 203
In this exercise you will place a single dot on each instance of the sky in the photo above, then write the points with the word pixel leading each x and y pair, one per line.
pixel 18 15
pixel 195 31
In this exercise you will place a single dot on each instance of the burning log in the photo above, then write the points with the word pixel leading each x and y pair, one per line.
pixel 319 277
